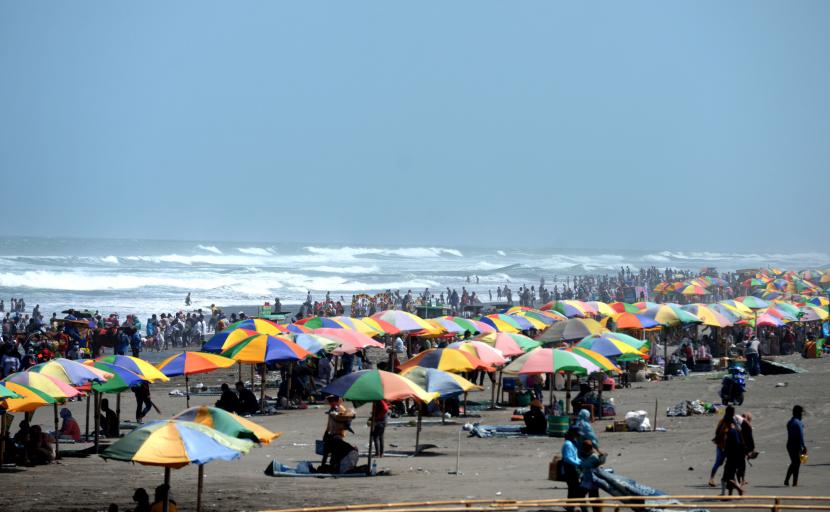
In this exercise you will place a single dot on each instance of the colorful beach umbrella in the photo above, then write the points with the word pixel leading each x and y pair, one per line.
pixel 191 363
pixel 609 347
pixel 122 379
pixel 549 360
pixel 228 423
pixel 30 398
pixel 624 307
pixel 532 321
pixel 569 308
pixel 402 320
pixel 601 308
pixel 694 290
pixel 447 359
pixel 70 372
pixel 445 384
pixel 628 340
pixel 262 348
pixel 708 315
pixel 813 313
pixel 600 360
pixel 319 322
pixel 769 320
pixel 350 341
pixel 259 325
pixel 509 344
pixel 381 326
pixel 138 366
pixel 633 321
pixel 223 340
pixel 448 325
pixel 7 393
pixel 484 352
pixel 753 302
pixel 504 323
pixel 315 343
pixel 571 329
pixel 376 385
pixel 43 383
pixel 670 315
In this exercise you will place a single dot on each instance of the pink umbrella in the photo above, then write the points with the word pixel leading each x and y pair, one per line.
pixel 483 351
pixel 504 342
pixel 351 341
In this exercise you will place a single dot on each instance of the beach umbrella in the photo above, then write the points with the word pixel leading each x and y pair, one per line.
pixel 509 344
pixel 569 308
pixel 445 384
pixel 628 340
pixel 70 372
pixel 381 326
pixel 192 363
pixel 447 325
pixel 813 313
pixel 670 315
pixel 403 320
pixel 297 329
pixel 546 317
pixel 811 275
pixel 610 347
pixel 122 379
pixel 469 325
pixel 504 323
pixel 633 321
pixel 484 352
pixel 624 307
pixel 225 339
pixel 315 343
pixel 175 444
pixel 644 305
pixel 601 308
pixel 262 348
pixel 738 307
pixel 259 325
pixel 29 399
pixel 534 323
pixel 753 302
pixel 536 313
pixel 7 393
pixel 767 319
pixel 781 313
pixel 571 329
pixel 730 314
pixel 708 315
pixel 350 341
pixel 754 283
pixel 374 386
pixel 227 423
pixel 447 359
pixel 138 366
pixel 694 290
pixel 550 360
pixel 600 360
pixel 43 383
pixel 318 322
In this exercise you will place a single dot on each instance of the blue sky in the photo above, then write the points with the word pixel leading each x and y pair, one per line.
pixel 687 125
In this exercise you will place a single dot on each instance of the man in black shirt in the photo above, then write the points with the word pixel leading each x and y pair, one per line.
pixel 248 403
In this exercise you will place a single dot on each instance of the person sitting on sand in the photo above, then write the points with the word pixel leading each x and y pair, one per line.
pixel 228 401
pixel 142 500
pixel 248 403
pixel 535 422
pixel 109 420
pixel 38 449
pixel 585 397
pixel 162 493
pixel 69 427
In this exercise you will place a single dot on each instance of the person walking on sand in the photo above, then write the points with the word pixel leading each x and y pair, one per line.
pixel 735 457
pixel 795 444
pixel 571 465
pixel 749 445
pixel 720 441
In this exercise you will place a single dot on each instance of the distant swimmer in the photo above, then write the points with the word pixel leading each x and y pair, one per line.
pixel 187 299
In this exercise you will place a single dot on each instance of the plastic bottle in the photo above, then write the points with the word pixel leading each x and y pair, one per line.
pixel 374 470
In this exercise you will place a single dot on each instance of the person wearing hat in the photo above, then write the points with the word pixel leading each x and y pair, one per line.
pixel 535 422
pixel 69 427
pixel 795 444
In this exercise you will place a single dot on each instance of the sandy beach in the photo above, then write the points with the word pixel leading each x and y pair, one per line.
pixel 676 461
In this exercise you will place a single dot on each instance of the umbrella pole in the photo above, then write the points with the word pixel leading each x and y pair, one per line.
pixel 418 430
pixel 371 435
pixel 199 486
pixel 97 418
pixel 187 389
pixel 86 435
pixel 261 391
pixel 550 385
pixel 501 376
pixel 288 385
pixel 57 433
pixel 465 404
pixel 239 368
pixel 493 395
pixel 118 408
pixel 568 395
pixel 2 439
pixel 252 375
pixel 166 502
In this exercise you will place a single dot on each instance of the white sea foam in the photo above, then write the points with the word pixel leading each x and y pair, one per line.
pixel 501 253
pixel 254 251
pixel 110 259
pixel 403 252
pixel 348 269
pixel 209 248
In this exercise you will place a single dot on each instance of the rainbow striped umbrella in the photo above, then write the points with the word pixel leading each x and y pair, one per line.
pixel 571 329
pixel 600 360
pixel 508 343
pixel 484 352
pixel 70 372
pixel 447 325
pixel 633 321
pixel 381 326
pixel 601 308
pixel 694 290
pixel 535 323
pixel 350 341
pixel 644 305
pixel 191 363
pixel 30 398
pixel 550 360
pixel 403 320
pixel 122 378
pixel 625 338
pixel 766 319
pixel 738 307
pixel 319 322
pixel 624 307
pixel 569 308
pixel 262 348
pixel 259 325
pixel 138 366
pixel 671 315
pixel 813 313
pixel 505 323
pixel 376 385
pixel 753 302
pixel 43 383
pixel 7 393
pixel 314 343
pixel 447 359
pixel 610 347
pixel 469 325
pixel 708 315
pixel 228 423
pixel 445 384
pixel 225 339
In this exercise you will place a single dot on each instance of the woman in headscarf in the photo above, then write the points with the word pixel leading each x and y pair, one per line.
pixel 586 431
pixel 69 427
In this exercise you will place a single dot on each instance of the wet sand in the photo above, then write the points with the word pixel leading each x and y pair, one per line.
pixel 676 461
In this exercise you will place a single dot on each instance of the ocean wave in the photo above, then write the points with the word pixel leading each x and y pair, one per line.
pixel 738 259
pixel 403 252
pixel 501 253
pixel 254 251
pixel 110 259
pixel 209 248
pixel 353 269
pixel 587 263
